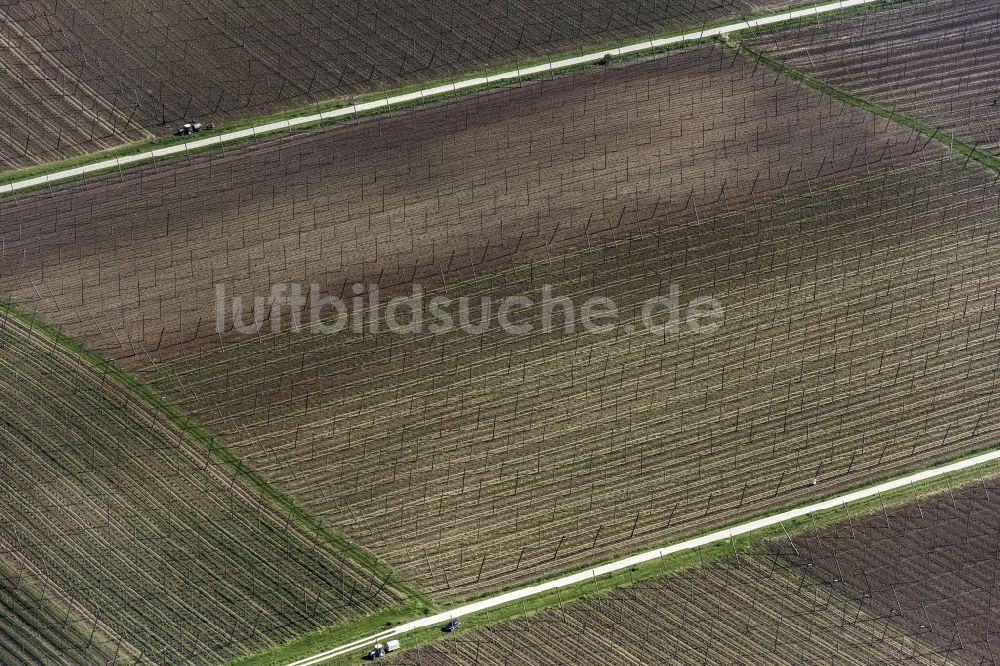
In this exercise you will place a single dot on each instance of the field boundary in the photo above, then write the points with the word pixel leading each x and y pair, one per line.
pixel 719 538
pixel 127 157
pixel 278 500
pixel 932 133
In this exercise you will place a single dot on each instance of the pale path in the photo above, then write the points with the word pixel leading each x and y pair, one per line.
pixel 366 643
pixel 387 102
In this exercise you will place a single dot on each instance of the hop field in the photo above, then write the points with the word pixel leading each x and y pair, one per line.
pixel 930 567
pixel 857 336
pixel 127 264
pixel 858 341
pixel 123 541
pixel 755 611
pixel 85 75
pixel 911 584
pixel 853 258
pixel 935 60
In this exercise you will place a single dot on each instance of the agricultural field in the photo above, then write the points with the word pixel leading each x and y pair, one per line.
pixel 123 541
pixel 127 263
pixel 932 564
pixel 911 584
pixel 754 611
pixel 934 60
pixel 859 340
pixel 193 474
pixel 80 75
pixel 40 120
pixel 852 256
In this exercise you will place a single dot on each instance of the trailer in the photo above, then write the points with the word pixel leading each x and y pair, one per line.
pixel 381 650
pixel 192 127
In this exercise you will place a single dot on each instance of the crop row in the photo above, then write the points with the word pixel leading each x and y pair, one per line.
pixel 752 609
pixel 128 264
pixel 858 338
pixel 113 515
pixel 908 584
pixel 931 563
pixel 114 71
pixel 934 60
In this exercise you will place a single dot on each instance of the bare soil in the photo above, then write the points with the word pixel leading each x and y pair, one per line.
pixel 929 568
pixel 128 262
